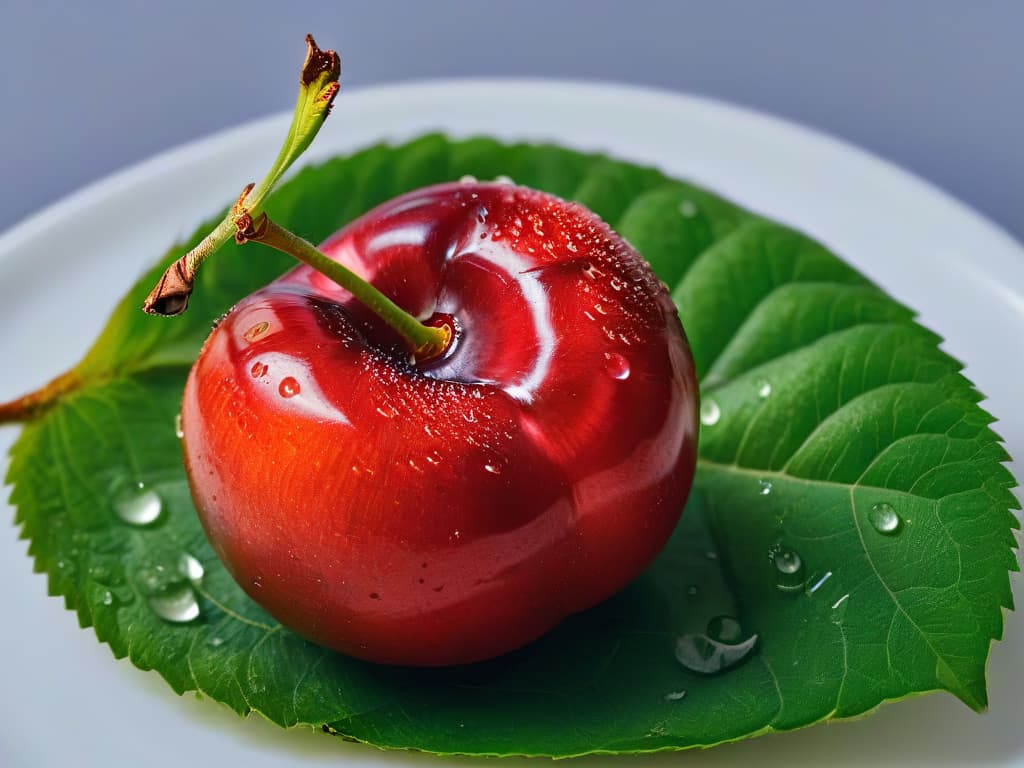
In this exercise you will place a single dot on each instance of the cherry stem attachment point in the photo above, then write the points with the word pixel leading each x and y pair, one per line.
pixel 426 342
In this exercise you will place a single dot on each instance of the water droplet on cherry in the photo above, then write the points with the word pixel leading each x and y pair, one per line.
pixel 616 365
pixel 179 429
pixel 258 370
pixel 494 469
pixel 289 387
pixel 256 331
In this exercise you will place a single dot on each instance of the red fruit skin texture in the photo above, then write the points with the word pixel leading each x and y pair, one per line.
pixel 450 511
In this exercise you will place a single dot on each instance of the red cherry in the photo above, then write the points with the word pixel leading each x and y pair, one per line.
pixel 449 510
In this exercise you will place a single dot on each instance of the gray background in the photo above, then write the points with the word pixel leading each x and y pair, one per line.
pixel 87 88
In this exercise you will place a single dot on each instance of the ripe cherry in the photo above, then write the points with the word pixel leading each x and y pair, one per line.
pixel 451 506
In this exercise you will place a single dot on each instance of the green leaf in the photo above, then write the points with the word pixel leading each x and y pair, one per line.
pixel 851 508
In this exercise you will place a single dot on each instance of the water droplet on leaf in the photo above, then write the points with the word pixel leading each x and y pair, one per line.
pixel 884 519
pixel 708 655
pixel 789 568
pixel 764 487
pixel 764 388
pixel 710 413
pixel 176 605
pixel 817 582
pixel 725 629
pixel 839 608
pixel 191 568
pixel 138 506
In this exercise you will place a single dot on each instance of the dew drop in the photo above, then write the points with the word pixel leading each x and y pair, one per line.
pixel 179 429
pixel 138 506
pixel 503 179
pixel 817 582
pixel 289 387
pixel 215 641
pixel 616 365
pixel 256 331
pixel 675 695
pixel 693 590
pixel 884 519
pixel 764 388
pixel 710 413
pixel 177 605
pixel 494 469
pixel 191 568
pixel 100 574
pixel 725 629
pixel 108 598
pixel 839 608
pixel 258 370
pixel 711 653
pixel 688 208
pixel 789 568
pixel 764 487
pixel 467 179
pixel 616 284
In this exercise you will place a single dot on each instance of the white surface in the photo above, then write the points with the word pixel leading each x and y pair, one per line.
pixel 67 702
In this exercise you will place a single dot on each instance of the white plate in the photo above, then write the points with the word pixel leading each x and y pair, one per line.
pixel 67 702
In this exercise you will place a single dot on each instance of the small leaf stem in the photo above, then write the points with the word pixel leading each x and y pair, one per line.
pixel 26 406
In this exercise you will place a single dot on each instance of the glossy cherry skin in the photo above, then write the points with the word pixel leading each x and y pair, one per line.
pixel 449 511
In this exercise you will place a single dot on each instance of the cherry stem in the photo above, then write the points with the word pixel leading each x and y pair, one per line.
pixel 426 342
pixel 247 220
pixel 318 85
